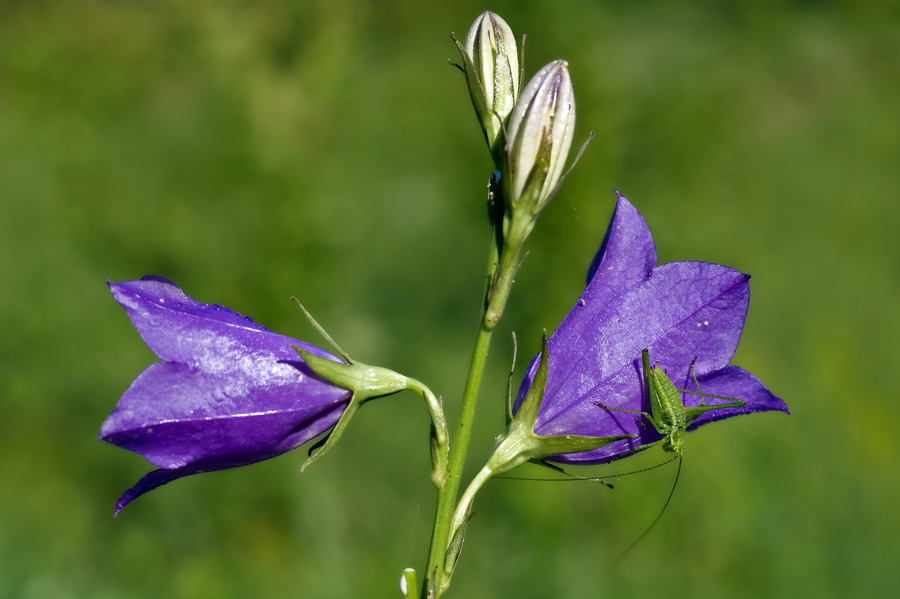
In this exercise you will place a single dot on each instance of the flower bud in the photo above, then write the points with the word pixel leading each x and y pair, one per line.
pixel 491 65
pixel 492 48
pixel 540 134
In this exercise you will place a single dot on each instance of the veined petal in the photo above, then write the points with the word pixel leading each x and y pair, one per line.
pixel 174 415
pixel 288 435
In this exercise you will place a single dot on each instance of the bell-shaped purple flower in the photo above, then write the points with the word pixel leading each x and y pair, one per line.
pixel 227 392
pixel 681 312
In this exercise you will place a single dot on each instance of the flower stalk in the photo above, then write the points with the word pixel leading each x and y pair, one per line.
pixel 541 123
pixel 436 580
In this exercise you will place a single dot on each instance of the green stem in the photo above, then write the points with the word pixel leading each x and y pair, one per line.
pixel 440 438
pixel 516 231
pixel 446 500
pixel 502 267
pixel 465 502
pixel 409 578
pixel 440 536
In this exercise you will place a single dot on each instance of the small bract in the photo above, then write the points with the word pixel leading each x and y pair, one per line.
pixel 227 392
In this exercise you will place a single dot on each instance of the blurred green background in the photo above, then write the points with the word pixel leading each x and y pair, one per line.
pixel 251 151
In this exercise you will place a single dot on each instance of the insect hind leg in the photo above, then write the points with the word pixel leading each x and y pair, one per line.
pixel 606 407
pixel 694 412
pixel 646 415
pixel 696 382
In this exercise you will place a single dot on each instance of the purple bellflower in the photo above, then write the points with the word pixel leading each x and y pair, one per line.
pixel 227 392
pixel 680 311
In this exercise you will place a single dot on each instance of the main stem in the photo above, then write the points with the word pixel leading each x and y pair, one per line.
pixel 443 516
pixel 440 537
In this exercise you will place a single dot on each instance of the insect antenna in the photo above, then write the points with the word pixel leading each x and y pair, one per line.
pixel 649 528
pixel 572 478
pixel 596 479
pixel 669 461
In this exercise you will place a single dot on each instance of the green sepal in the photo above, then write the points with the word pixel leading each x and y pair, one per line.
pixel 333 436
pixel 366 382
pixel 521 444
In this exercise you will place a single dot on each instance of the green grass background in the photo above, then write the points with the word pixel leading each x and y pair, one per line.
pixel 251 151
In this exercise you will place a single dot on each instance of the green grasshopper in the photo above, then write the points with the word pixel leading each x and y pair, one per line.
pixel 670 417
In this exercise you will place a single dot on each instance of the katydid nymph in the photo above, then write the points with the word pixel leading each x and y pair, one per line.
pixel 670 417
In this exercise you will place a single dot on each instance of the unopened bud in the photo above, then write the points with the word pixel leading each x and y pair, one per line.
pixel 491 64
pixel 540 134
pixel 492 48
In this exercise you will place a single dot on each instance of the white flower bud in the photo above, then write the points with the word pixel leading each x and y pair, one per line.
pixel 540 135
pixel 492 48
pixel 491 64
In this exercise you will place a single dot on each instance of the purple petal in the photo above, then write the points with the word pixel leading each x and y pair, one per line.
pixel 174 415
pixel 231 454
pixel 733 381
pixel 679 311
pixel 229 392
pixel 150 481
pixel 627 255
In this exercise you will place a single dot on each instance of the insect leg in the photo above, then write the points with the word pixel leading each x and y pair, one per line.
pixel 634 450
pixel 692 413
pixel 606 407
pixel 646 415
pixel 696 382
